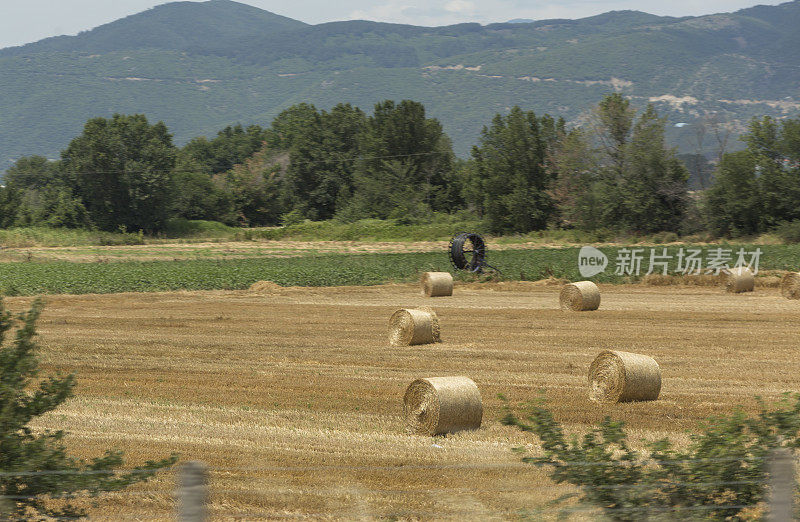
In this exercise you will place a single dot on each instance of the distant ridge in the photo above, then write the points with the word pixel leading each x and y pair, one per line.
pixel 172 26
pixel 199 66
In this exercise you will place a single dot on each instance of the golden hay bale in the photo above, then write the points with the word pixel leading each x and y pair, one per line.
pixel 580 296
pixel 436 284
pixel 616 376
pixel 409 326
pixel 438 405
pixel 738 280
pixel 790 285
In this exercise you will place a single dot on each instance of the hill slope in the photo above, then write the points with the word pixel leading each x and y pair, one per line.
pixel 200 66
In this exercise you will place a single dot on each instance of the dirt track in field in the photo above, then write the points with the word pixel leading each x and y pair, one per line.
pixel 231 250
pixel 294 397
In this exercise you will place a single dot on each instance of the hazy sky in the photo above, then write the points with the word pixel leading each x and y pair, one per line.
pixel 23 21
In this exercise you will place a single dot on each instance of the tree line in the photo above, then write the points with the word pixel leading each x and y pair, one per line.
pixel 527 172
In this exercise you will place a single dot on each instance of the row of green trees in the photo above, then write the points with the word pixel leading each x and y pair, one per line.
pixel 528 172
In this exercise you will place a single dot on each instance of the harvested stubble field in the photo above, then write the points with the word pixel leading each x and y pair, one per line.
pixel 294 397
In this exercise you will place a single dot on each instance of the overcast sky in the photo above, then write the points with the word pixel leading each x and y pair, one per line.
pixel 23 21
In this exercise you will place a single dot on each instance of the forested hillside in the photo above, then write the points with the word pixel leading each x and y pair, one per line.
pixel 201 66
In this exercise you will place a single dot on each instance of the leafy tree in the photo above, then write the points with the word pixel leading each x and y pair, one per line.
pixel 121 169
pixel 322 162
pixel 758 188
pixel 255 187
pixel 291 124
pixel 510 162
pixel 733 203
pixel 35 466
pixel 572 165
pixel 38 194
pixel 53 206
pixel 654 185
pixel 641 185
pixel 722 471
pixel 231 146
pixel 197 195
pixel 700 170
pixel 32 172
pixel 403 133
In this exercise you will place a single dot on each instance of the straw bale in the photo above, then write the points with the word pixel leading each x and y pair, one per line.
pixel 437 284
pixel 738 280
pixel 580 296
pixel 616 376
pixel 790 285
pixel 439 405
pixel 409 326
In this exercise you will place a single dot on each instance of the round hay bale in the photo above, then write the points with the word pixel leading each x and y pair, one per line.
pixel 580 296
pixel 436 284
pixel 439 405
pixel 624 377
pixel 409 326
pixel 790 285
pixel 738 280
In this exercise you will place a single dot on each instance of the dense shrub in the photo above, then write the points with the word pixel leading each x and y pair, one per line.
pixel 720 474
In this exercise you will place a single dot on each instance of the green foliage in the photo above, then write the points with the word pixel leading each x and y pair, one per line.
pixel 196 228
pixel 232 145
pixel 198 197
pixel 654 186
pixel 323 152
pixel 439 228
pixel 788 231
pixel 733 203
pixel 255 188
pixel 54 206
pixel 510 171
pixel 640 186
pixel 721 472
pixel 756 189
pixel 34 464
pixel 121 170
pixel 406 165
pixel 16 237
pixel 36 193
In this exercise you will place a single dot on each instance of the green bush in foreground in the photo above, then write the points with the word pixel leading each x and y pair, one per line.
pixel 720 475
pixel 38 479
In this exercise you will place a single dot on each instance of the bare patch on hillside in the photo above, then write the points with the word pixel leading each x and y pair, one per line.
pixel 676 102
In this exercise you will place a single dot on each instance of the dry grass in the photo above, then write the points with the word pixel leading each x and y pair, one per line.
pixel 297 402
pixel 225 250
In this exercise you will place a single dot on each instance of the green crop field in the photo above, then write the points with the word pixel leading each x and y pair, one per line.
pixel 30 278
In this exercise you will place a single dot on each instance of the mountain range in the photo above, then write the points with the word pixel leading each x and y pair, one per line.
pixel 200 66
